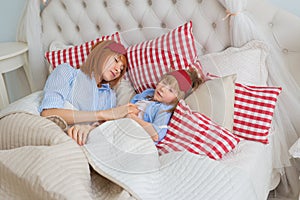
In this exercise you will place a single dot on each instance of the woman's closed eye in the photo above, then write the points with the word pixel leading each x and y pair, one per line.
pixel 118 61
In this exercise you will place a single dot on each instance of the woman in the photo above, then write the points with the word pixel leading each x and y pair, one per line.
pixel 86 94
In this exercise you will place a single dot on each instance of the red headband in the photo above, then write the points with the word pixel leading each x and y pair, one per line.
pixel 116 47
pixel 183 79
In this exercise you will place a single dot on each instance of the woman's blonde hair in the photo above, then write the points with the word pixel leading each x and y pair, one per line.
pixel 94 64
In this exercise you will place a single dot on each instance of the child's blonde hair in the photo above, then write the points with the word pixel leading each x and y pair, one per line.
pixel 173 82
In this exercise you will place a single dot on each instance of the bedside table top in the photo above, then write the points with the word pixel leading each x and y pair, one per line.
pixel 11 49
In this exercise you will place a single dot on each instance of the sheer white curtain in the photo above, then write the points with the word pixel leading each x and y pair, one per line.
pixel 30 31
pixel 241 25
pixel 242 30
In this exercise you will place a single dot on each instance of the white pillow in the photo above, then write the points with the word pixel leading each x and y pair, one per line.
pixel 215 99
pixel 124 92
pixel 248 62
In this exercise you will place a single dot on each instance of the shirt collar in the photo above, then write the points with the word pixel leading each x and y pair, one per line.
pixel 105 87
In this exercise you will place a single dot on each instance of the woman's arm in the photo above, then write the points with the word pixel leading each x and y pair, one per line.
pixel 75 116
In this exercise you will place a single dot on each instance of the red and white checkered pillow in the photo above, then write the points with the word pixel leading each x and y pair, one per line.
pixel 253 111
pixel 196 133
pixel 76 55
pixel 149 60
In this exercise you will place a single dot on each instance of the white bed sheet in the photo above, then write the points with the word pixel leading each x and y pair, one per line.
pixel 29 104
pixel 256 159
pixel 252 157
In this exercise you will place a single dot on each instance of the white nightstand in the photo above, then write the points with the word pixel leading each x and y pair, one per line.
pixel 13 55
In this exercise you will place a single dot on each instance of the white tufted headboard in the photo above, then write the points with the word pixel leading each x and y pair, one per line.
pixel 78 21
pixel 73 22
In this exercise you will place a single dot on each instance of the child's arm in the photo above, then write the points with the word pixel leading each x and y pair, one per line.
pixel 157 128
pixel 146 125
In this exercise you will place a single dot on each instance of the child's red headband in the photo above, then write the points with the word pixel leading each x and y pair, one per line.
pixel 183 79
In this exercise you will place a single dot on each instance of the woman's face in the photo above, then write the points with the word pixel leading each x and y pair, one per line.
pixel 112 68
pixel 164 93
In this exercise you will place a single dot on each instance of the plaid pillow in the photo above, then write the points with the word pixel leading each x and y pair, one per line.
pixel 76 55
pixel 253 111
pixel 149 60
pixel 196 133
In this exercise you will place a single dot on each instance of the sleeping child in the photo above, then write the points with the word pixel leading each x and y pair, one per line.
pixel 157 105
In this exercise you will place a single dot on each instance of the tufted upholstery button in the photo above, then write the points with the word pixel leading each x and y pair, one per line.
pixel 163 25
pixel 204 50
pixel 174 1
pixel 127 2
pixel 150 2
pixel 105 3
pixel 285 50
pixel 140 26
pixel 271 24
pixel 118 27
pixel 98 27
pixel 214 25
pixel 77 28
pixel 59 28
pixel 199 1
pixel 64 5
pixel 84 4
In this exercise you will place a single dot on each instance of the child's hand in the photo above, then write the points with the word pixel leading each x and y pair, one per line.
pixel 132 116
pixel 120 112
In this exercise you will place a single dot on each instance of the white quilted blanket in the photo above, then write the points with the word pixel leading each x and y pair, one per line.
pixel 124 153
pixel 39 161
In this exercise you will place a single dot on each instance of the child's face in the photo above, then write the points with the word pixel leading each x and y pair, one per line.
pixel 113 68
pixel 164 93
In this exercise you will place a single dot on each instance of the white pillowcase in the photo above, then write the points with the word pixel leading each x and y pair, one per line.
pixel 248 62
pixel 215 99
pixel 124 92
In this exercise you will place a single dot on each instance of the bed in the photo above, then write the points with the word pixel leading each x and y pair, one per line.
pixel 239 48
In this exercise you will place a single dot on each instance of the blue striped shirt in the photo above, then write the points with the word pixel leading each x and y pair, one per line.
pixel 69 85
pixel 156 113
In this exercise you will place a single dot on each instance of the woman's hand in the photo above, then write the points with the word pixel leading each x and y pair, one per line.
pixel 118 112
pixel 79 133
